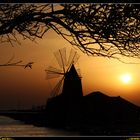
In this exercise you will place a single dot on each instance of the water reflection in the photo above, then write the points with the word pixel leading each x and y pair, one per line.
pixel 10 128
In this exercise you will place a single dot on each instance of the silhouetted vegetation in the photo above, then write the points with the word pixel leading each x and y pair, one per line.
pixel 11 63
pixel 96 29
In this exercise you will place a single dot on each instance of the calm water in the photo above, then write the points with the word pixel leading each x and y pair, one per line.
pixel 10 127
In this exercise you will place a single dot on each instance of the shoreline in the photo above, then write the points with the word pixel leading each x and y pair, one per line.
pixel 39 119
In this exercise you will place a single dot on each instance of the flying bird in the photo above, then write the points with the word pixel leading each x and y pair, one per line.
pixel 29 65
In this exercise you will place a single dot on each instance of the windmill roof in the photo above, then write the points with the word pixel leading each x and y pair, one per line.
pixel 73 71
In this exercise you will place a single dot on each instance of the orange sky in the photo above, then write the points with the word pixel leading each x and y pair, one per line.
pixel 29 86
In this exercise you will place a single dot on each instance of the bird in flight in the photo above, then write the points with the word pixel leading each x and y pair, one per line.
pixel 29 65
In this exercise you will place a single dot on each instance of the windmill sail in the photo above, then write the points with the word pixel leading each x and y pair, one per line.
pixel 73 57
pixel 60 56
pixel 66 71
pixel 53 72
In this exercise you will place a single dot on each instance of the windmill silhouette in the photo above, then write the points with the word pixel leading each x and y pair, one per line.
pixel 69 76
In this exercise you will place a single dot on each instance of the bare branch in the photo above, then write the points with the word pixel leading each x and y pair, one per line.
pixel 114 28
pixel 11 63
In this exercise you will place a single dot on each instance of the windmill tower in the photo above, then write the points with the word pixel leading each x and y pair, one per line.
pixel 65 101
pixel 69 85
pixel 72 86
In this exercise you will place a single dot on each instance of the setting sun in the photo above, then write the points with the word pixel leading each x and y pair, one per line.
pixel 126 78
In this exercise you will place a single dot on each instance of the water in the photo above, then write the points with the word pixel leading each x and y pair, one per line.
pixel 13 128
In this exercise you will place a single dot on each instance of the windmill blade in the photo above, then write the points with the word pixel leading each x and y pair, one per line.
pixel 64 66
pixel 51 76
pixel 79 72
pixel 73 57
pixel 57 88
pixel 63 55
pixel 52 72
pixel 60 56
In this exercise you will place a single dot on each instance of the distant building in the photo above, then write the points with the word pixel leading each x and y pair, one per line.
pixel 100 108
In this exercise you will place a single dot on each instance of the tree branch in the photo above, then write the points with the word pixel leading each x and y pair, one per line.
pixel 82 25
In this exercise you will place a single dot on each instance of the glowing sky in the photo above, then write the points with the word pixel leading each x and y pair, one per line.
pixel 29 87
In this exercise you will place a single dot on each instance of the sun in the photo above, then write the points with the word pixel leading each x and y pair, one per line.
pixel 126 78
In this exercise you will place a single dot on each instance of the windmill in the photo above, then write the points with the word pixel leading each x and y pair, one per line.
pixel 68 76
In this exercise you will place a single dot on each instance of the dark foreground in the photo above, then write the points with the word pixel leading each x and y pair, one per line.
pixel 93 115
pixel 40 119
